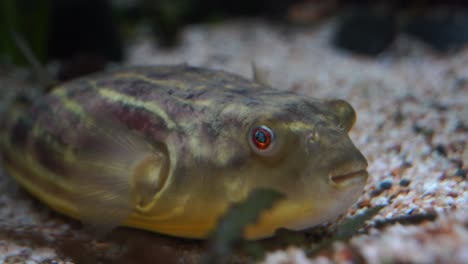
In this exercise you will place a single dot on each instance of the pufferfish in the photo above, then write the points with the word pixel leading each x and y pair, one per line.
pixel 170 148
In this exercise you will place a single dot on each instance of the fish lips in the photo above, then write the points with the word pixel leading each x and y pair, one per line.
pixel 349 178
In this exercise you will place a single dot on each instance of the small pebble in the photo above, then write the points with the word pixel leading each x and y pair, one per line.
pixel 375 192
pixel 404 182
pixel 406 164
pixel 461 173
pixel 440 149
pixel 457 162
pixel 385 185
pixel 461 127
pixel 51 261
pixel 424 131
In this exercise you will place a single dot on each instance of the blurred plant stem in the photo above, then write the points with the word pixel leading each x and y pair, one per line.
pixel 29 19
pixel 167 17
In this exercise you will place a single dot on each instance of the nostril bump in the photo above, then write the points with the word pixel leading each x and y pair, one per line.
pixel 345 113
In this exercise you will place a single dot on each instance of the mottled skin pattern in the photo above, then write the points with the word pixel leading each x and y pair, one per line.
pixel 167 149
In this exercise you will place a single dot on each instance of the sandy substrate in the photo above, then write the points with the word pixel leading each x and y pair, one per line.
pixel 412 126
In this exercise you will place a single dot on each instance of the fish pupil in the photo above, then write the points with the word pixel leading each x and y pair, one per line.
pixel 261 137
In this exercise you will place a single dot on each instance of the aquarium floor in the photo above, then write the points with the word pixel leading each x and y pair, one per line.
pixel 412 107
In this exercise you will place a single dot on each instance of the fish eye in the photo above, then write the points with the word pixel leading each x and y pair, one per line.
pixel 262 139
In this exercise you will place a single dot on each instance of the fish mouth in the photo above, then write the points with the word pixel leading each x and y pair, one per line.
pixel 348 178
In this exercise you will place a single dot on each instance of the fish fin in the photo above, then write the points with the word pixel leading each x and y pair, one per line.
pixel 116 169
pixel 259 75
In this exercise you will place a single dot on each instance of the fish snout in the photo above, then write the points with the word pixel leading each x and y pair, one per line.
pixel 334 151
pixel 350 169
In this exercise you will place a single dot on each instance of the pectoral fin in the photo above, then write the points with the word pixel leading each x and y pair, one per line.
pixel 114 170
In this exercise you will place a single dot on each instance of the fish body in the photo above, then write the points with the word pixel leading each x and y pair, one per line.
pixel 169 148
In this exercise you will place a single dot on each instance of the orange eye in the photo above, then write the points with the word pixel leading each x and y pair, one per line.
pixel 262 137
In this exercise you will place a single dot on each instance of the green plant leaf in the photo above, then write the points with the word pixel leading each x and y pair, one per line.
pixel 346 230
pixel 232 225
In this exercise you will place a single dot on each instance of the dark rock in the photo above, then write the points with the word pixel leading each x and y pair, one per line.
pixel 365 32
pixel 443 30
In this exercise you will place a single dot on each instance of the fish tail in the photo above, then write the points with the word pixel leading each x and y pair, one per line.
pixel 17 92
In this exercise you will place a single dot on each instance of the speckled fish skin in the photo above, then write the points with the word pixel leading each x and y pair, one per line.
pixel 166 148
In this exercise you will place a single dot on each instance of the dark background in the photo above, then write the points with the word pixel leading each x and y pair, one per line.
pixel 84 35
